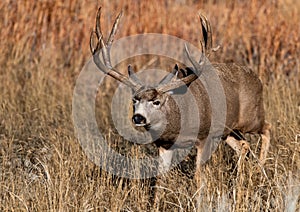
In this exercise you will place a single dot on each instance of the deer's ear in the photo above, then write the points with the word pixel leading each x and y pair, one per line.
pixel 181 73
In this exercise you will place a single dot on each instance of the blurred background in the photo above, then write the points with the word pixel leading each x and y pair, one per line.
pixel 44 45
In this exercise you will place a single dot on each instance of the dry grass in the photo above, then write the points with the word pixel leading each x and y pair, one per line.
pixel 44 45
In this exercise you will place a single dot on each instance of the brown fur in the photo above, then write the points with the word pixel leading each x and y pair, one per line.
pixel 162 112
pixel 245 112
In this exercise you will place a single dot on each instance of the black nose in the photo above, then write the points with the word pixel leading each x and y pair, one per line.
pixel 138 119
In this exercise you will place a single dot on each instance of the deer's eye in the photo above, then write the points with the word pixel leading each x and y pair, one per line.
pixel 156 102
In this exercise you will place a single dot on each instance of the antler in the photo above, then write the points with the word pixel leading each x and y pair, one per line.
pixel 198 68
pixel 170 76
pixel 206 36
pixel 206 48
pixel 104 47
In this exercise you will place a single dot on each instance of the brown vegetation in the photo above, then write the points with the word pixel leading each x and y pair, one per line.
pixel 45 44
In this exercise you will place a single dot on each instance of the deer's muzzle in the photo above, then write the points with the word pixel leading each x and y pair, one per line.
pixel 139 120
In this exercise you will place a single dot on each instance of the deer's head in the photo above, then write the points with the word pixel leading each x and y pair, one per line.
pixel 149 103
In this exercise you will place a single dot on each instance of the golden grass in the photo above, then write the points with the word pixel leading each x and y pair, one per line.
pixel 44 45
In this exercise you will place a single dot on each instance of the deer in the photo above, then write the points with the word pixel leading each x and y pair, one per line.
pixel 243 94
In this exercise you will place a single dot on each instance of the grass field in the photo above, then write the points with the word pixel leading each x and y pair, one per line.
pixel 44 45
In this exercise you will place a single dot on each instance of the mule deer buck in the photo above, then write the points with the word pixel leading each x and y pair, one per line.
pixel 242 88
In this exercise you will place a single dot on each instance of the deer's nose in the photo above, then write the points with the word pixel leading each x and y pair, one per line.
pixel 138 119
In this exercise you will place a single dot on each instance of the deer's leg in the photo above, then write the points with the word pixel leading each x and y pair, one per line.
pixel 265 139
pixel 198 172
pixel 241 147
pixel 165 159
pixel 164 165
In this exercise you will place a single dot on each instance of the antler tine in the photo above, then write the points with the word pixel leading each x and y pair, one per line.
pixel 114 30
pixel 106 48
pixel 132 75
pixel 98 34
pixel 202 47
pixel 207 36
pixel 107 67
pixel 170 76
pixel 101 43
pixel 206 32
pixel 99 31
pixel 98 25
pixel 93 50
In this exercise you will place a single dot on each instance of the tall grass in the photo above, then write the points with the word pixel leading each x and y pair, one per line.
pixel 44 45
